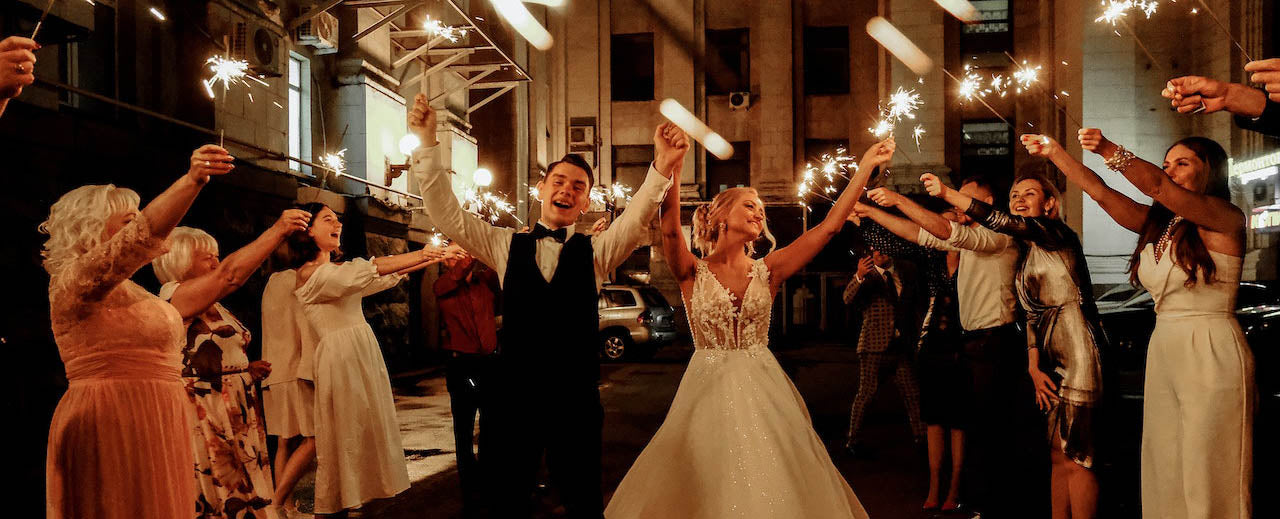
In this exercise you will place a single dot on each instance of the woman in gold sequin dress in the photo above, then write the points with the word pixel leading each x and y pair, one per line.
pixel 1063 360
pixel 738 440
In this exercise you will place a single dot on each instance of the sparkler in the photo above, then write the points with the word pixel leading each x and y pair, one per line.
pixel 489 206
pixel 902 103
pixel 40 22
pixel 971 89
pixel 438 240
pixel 228 72
pixel 899 45
pixel 1026 77
pixel 1224 29
pixel 916 133
pixel 694 127
pixel 524 23
pixel 610 196
pixel 819 180
pixel 336 162
pixel 439 29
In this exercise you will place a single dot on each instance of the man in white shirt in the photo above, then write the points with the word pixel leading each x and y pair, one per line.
pixel 545 389
pixel 994 345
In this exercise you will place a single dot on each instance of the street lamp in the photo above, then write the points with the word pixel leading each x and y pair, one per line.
pixel 482 177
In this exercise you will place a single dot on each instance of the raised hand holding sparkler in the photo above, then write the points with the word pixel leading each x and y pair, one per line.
pixel 17 66
pixel 1039 145
pixel 1267 73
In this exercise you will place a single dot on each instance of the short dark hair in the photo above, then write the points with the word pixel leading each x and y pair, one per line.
pixel 573 159
pixel 300 247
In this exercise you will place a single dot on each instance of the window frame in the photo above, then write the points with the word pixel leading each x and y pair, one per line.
pixel 303 116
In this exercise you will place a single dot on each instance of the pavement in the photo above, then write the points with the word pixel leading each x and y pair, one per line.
pixel 636 396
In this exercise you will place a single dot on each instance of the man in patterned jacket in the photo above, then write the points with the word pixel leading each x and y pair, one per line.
pixel 890 326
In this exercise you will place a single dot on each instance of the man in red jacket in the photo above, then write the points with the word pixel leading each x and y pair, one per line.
pixel 465 293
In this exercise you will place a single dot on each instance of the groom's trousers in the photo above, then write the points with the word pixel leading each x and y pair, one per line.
pixel 565 426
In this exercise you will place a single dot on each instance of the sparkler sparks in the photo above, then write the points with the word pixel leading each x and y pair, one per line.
pixel 439 29
pixel 610 197
pixel 488 206
pixel 228 72
pixel 335 161
pixel 819 179
pixel 971 86
pixel 1025 77
pixel 903 103
pixel 916 133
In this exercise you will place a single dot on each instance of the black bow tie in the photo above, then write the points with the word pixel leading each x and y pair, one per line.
pixel 539 232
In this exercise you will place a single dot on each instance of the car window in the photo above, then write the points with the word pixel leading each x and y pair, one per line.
pixel 617 298
pixel 652 297
pixel 1251 295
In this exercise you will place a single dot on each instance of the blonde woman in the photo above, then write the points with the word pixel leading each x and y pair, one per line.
pixel 1053 286
pixel 233 471
pixel 737 428
pixel 119 446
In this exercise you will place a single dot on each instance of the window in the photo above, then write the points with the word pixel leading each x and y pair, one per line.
pixel 735 172
pixel 299 112
pixel 618 298
pixel 986 146
pixel 630 166
pixel 993 32
pixel 728 61
pixel 631 67
pixel 826 60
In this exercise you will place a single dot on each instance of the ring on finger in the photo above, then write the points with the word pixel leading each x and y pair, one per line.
pixel 21 67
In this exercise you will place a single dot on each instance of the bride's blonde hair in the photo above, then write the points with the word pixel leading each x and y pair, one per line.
pixel 77 219
pixel 709 220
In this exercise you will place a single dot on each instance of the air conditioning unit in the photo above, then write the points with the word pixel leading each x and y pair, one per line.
pixel 257 44
pixel 582 135
pixel 320 33
pixel 739 100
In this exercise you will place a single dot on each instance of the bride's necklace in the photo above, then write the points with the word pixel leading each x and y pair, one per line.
pixel 1163 244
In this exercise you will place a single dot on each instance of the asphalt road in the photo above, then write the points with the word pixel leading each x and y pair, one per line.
pixel 636 395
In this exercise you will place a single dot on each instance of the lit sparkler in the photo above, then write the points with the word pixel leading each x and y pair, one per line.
pixel 439 29
pixel 916 133
pixel 903 103
pixel 999 85
pixel 610 197
pixel 819 178
pixel 488 206
pixel 438 240
pixel 1025 77
pixel 335 161
pixel 971 86
pixel 228 72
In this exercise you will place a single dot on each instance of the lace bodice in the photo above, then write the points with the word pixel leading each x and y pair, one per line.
pixel 717 320
pixel 107 326
pixel 1167 283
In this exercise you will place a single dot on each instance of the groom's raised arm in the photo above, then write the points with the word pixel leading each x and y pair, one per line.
pixel 491 245
pixel 616 243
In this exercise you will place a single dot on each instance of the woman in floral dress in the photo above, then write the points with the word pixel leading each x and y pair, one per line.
pixel 232 468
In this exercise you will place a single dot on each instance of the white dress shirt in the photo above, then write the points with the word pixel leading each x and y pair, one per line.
pixel 984 279
pixel 491 245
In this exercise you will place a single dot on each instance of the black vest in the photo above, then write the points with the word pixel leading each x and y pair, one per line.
pixel 551 330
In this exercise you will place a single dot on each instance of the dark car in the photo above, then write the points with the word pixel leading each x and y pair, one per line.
pixel 635 320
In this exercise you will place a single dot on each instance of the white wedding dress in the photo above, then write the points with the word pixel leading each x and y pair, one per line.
pixel 738 440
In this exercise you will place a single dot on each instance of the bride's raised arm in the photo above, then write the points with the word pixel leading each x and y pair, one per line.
pixel 788 260
pixel 674 249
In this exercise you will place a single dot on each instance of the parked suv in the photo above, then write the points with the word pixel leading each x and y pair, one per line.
pixel 635 320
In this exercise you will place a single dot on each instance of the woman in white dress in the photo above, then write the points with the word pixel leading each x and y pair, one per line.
pixel 359 456
pixel 288 393
pixel 1199 393
pixel 738 440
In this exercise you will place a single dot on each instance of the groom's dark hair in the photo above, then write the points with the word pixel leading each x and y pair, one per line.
pixel 573 159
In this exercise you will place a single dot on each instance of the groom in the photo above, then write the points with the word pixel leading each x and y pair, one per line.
pixel 545 397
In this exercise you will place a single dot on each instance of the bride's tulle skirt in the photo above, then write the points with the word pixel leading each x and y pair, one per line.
pixel 737 442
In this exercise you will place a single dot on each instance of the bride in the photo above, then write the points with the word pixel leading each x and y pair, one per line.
pixel 738 440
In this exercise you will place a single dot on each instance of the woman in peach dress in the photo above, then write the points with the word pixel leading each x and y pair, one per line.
pixel 119 443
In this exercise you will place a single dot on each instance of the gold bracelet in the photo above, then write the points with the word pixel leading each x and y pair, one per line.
pixel 1120 160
